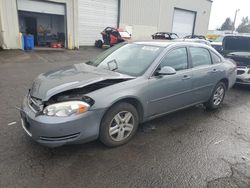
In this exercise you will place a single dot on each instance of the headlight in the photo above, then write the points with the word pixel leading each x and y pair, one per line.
pixel 65 109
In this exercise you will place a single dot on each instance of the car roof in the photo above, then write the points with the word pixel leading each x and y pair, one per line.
pixel 164 43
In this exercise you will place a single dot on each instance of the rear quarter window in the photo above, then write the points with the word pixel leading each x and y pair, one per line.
pixel 216 59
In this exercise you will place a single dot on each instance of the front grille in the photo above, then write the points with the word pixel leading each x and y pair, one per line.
pixel 239 72
pixel 60 138
pixel 35 104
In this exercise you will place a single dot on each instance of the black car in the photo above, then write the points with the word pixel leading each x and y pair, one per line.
pixel 217 44
pixel 237 48
pixel 165 36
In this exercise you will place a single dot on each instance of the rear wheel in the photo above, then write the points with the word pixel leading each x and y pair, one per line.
pixel 119 125
pixel 217 97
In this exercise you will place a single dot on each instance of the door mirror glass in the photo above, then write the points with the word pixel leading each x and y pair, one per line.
pixel 166 71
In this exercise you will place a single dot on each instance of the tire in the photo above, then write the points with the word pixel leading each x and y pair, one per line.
pixel 215 102
pixel 119 124
pixel 98 43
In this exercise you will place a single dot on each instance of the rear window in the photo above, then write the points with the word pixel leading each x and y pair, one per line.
pixel 216 59
pixel 200 56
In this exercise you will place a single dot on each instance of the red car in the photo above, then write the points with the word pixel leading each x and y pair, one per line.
pixel 112 36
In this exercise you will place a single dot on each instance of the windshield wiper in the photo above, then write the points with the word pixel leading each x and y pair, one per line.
pixel 112 62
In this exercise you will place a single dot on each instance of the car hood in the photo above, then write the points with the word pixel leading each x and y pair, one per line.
pixel 241 58
pixel 76 76
pixel 236 44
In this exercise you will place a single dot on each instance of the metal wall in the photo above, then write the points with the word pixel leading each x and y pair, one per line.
pixel 149 16
pixel 94 16
pixel 9 32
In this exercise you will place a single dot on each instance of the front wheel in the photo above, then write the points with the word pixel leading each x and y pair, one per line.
pixel 119 124
pixel 217 97
pixel 98 43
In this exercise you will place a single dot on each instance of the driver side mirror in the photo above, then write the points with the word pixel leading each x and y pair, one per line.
pixel 166 71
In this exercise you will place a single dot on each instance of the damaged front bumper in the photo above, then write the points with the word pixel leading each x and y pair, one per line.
pixel 58 131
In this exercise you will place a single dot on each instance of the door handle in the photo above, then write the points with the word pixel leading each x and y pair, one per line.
pixel 213 71
pixel 186 77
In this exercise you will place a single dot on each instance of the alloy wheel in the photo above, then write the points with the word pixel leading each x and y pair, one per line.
pixel 218 95
pixel 121 126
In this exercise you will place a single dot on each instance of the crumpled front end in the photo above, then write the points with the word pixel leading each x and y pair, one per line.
pixel 58 131
pixel 46 113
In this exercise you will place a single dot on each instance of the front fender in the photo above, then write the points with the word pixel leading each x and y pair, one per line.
pixel 107 97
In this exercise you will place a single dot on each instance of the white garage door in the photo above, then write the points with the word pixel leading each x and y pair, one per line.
pixel 41 7
pixel 94 17
pixel 183 22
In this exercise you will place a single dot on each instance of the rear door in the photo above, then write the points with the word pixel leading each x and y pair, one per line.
pixel 206 74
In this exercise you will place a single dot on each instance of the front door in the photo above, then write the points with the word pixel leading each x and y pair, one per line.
pixel 171 92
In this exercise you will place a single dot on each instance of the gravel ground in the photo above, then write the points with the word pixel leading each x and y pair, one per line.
pixel 190 148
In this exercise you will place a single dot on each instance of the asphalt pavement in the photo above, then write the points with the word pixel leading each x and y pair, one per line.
pixel 189 148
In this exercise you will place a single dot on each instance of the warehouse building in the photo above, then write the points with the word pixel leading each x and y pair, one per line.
pixel 77 23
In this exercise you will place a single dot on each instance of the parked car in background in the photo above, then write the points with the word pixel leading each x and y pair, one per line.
pixel 195 37
pixel 201 41
pixel 165 36
pixel 217 44
pixel 237 47
pixel 128 84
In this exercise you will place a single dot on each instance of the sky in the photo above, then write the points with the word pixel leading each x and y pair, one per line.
pixel 221 9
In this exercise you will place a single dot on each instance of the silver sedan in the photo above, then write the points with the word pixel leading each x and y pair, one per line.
pixel 129 84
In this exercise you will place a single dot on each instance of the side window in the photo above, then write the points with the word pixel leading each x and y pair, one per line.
pixel 216 59
pixel 176 59
pixel 200 56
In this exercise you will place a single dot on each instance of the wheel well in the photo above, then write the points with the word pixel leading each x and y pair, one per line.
pixel 225 81
pixel 136 103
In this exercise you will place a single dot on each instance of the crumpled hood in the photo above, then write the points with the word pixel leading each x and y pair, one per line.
pixel 71 77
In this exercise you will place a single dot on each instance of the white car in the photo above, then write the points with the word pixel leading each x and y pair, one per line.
pixel 237 47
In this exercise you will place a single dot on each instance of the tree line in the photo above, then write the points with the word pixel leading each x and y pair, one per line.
pixel 244 27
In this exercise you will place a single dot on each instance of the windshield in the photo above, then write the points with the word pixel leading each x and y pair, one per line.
pixel 130 59
pixel 219 39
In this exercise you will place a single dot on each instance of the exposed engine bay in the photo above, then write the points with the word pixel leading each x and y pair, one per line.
pixel 79 93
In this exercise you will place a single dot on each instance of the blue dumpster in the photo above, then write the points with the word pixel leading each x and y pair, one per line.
pixel 29 42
